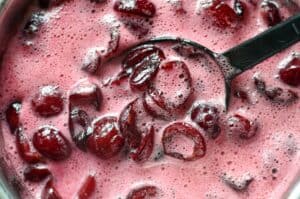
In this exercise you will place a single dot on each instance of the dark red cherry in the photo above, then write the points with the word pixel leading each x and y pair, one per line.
pixel 291 73
pixel 145 148
pixel 24 148
pixel 79 126
pixel 144 192
pixel 127 124
pixel 242 126
pixel 50 142
pixel 87 188
pixel 12 114
pixel 223 15
pixel 172 85
pixel 270 13
pixel 36 173
pixel 85 92
pixel 177 140
pixel 106 140
pixel 143 8
pixel 207 117
pixel 48 101
pixel 49 191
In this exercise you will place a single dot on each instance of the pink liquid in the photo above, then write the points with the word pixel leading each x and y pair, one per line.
pixel 56 57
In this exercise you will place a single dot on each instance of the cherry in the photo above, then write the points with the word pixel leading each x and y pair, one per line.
pixel 36 173
pixel 242 126
pixel 48 101
pixel 223 15
pixel 144 192
pixel 49 191
pixel 275 94
pixel 135 128
pixel 12 114
pixel 87 188
pixel 136 56
pixel 24 148
pixel 173 135
pixel 33 24
pixel 207 117
pixel 127 124
pixel 270 13
pixel 143 61
pixel 144 150
pixel 172 85
pixel 79 126
pixel 86 92
pixel 50 142
pixel 106 140
pixel 143 8
pixel 92 60
pixel 155 106
pixel 145 72
pixel 291 73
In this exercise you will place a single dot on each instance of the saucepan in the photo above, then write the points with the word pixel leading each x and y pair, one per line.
pixel 12 12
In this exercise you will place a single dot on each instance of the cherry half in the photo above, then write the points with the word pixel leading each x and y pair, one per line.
pixel 106 140
pixel 48 101
pixel 173 133
pixel 51 143
pixel 144 192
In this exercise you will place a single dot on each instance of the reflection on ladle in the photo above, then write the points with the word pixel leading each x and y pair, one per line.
pixel 246 55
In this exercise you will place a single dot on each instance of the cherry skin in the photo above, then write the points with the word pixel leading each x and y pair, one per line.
pixel 179 128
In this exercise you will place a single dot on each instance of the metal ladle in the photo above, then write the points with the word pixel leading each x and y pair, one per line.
pixel 247 54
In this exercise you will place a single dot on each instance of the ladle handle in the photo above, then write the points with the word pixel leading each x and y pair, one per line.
pixel 264 45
